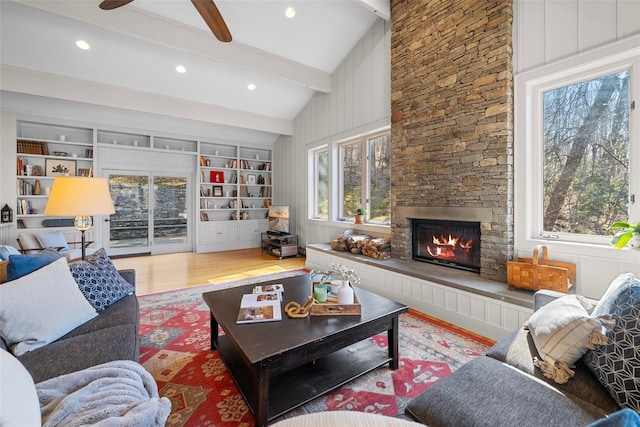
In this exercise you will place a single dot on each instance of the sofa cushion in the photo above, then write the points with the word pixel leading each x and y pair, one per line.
pixel 52 239
pixel 20 265
pixel 563 331
pixel 484 393
pixel 99 280
pixel 623 417
pixel 617 364
pixel 41 307
pixel 518 350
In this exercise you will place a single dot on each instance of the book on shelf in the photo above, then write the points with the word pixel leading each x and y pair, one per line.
pixel 260 307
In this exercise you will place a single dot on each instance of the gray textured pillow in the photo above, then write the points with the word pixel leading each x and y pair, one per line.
pixel 40 307
pixel 563 331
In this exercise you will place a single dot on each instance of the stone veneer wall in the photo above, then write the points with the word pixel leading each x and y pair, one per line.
pixel 452 117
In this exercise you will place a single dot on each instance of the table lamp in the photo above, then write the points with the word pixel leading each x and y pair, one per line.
pixel 80 197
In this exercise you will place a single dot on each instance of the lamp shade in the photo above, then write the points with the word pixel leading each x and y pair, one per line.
pixel 77 195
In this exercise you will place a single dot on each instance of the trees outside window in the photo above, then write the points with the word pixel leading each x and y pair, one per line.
pixel 320 191
pixel 586 155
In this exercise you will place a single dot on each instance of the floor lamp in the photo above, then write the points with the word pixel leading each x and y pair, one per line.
pixel 81 197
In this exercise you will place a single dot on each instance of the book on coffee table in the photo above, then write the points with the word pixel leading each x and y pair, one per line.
pixel 262 307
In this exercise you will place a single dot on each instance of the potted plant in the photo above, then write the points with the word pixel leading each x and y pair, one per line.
pixel 360 213
pixel 628 235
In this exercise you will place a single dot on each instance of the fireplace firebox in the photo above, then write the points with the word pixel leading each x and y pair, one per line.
pixel 450 243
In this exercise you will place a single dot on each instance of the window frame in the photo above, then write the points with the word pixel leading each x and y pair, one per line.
pixel 336 196
pixel 314 176
pixel 529 88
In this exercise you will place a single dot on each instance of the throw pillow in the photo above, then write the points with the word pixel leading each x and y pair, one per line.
pixel 562 332
pixel 3 271
pixel 99 280
pixel 605 304
pixel 52 239
pixel 19 405
pixel 617 364
pixel 21 265
pixel 6 250
pixel 41 307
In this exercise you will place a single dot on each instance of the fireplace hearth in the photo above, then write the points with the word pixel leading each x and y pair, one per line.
pixel 453 244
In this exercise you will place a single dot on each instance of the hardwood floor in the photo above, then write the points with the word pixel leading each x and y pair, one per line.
pixel 159 273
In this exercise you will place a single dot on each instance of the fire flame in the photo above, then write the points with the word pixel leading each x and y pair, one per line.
pixel 446 247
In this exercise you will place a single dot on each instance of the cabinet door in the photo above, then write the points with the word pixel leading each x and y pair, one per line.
pixel 227 232
pixel 208 234
pixel 249 231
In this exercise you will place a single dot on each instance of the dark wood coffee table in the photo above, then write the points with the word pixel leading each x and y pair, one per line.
pixel 279 366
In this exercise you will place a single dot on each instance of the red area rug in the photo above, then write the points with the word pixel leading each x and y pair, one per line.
pixel 175 340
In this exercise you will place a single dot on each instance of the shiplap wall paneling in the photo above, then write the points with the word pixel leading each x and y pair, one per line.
pixel 548 30
pixel 628 21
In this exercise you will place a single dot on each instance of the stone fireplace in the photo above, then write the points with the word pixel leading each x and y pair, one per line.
pixel 452 122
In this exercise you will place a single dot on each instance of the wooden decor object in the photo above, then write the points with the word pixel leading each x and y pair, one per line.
pixel 333 308
pixel 535 274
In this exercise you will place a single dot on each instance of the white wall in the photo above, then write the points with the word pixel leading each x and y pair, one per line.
pixel 360 102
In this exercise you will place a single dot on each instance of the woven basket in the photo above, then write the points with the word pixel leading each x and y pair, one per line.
pixel 535 274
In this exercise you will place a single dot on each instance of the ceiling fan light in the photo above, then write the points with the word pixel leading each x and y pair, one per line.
pixel 83 45
pixel 290 12
pixel 181 69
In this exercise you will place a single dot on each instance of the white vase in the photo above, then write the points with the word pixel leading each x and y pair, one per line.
pixel 345 293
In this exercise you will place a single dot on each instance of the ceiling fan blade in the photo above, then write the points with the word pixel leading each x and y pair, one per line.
pixel 213 18
pixel 113 4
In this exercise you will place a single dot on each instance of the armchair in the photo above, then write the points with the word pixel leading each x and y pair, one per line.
pixel 29 242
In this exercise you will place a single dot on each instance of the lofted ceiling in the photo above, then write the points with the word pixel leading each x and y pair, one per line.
pixel 135 50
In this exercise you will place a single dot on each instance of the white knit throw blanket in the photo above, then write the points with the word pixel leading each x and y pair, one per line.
pixel 120 394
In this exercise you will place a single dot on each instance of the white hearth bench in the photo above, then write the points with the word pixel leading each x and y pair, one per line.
pixel 459 297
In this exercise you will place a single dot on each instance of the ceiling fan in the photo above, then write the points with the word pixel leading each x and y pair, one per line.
pixel 206 8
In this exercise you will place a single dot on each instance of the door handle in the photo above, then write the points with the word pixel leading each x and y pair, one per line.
pixel 107 220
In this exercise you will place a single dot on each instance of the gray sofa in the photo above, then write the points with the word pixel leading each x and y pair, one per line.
pixel 504 389
pixel 112 335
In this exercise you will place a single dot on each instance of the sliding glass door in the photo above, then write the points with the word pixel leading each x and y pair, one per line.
pixel 151 213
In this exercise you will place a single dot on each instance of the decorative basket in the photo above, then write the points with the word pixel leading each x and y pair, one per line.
pixel 535 274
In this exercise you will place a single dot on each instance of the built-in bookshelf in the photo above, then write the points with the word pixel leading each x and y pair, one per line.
pixel 235 185
pixel 44 151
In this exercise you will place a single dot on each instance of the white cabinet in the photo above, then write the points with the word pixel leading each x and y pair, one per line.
pixel 251 231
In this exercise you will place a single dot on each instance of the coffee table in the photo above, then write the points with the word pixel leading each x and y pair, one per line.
pixel 281 365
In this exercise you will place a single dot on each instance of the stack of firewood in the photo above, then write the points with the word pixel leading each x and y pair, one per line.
pixel 377 248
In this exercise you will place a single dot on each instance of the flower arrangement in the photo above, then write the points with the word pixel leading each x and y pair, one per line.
pixel 344 272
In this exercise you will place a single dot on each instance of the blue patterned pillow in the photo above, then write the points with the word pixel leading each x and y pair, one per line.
pixel 617 364
pixel 99 280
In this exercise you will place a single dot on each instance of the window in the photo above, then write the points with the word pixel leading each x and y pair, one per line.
pixel 320 189
pixel 586 155
pixel 350 175
pixel 576 146
pixel 365 178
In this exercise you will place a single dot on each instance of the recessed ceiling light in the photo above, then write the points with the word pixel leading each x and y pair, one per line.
pixel 290 12
pixel 181 69
pixel 251 86
pixel 83 45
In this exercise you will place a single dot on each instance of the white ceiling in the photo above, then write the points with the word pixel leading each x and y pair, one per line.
pixel 135 49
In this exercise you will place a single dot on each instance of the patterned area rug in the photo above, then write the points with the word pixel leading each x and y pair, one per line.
pixel 175 339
